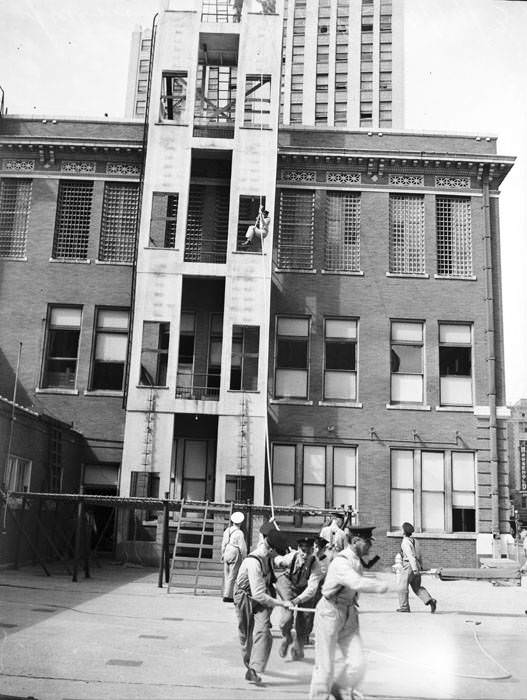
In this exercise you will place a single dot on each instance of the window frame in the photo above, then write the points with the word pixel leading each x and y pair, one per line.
pixel 44 382
pixel 446 344
pixel 163 330
pixel 341 340
pixel 245 356
pixel 409 343
pixel 111 331
pixel 15 209
pixel 165 202
pixel 305 369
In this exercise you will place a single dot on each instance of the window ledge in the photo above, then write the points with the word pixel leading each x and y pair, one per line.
pixel 436 535
pixel 75 261
pixel 13 258
pixel 169 122
pixel 103 392
pixel 256 127
pixel 151 247
pixel 346 273
pixel 57 390
pixel 300 272
pixel 408 407
pixel 244 391
pixel 456 409
pixel 457 278
pixel 113 262
pixel 154 386
pixel 248 252
pixel 291 402
pixel 411 275
pixel 341 404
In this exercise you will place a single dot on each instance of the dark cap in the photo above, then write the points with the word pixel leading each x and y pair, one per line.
pixel 268 527
pixel 339 514
pixel 407 528
pixel 321 542
pixel 277 540
pixel 364 531
pixel 308 541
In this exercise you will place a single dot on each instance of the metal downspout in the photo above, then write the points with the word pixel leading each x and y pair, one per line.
pixel 491 375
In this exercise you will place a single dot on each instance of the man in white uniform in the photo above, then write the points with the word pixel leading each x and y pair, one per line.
pixel 233 551
pixel 337 619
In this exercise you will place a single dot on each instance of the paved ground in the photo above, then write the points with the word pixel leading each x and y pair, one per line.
pixel 118 636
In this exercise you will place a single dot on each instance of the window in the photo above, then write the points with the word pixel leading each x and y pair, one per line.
pixel 463 492
pixel 142 485
pixel 314 480
pixel 154 353
pixel 345 476
pixel 283 475
pixel 72 223
pixel 163 221
pixel 454 236
pixel 244 358
pixel 185 368
pixel 15 203
pixel 407 372
pixel 296 229
pixel 292 355
pixel 257 108
pixel 214 361
pixel 455 364
pixel 435 490
pixel 173 95
pixel 119 221
pixel 62 347
pixel 247 213
pixel 109 356
pixel 18 476
pixel 342 251
pixel 407 234
pixel 340 362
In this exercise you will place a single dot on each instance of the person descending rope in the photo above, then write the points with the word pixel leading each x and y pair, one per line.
pixel 233 551
pixel 254 600
pixel 260 227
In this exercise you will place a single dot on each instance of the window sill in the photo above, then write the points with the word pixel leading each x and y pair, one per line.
pixel 455 409
pixel 248 252
pixel 113 262
pixel 341 404
pixel 300 272
pixel 243 391
pixel 408 407
pixel 169 122
pixel 70 260
pixel 436 535
pixel 346 273
pixel 291 402
pixel 414 275
pixel 147 386
pixel 57 390
pixel 13 258
pixel 256 127
pixel 152 247
pixel 456 278
pixel 103 392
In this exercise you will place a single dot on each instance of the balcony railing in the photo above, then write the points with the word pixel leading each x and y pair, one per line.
pixel 200 387
pixel 205 250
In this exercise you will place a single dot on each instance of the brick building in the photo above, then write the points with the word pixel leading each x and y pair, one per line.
pixel 517 454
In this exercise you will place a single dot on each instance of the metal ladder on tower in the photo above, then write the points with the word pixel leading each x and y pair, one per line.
pixel 197 521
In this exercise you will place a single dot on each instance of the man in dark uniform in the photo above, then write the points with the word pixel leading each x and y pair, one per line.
pixel 254 600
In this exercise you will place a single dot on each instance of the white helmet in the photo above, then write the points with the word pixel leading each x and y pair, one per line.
pixel 237 517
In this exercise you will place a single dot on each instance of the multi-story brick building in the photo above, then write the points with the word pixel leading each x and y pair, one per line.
pixel 365 358
pixel 517 455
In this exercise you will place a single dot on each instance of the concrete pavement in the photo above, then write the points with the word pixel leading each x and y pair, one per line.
pixel 118 636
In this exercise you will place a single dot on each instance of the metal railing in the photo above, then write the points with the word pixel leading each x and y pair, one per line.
pixel 201 387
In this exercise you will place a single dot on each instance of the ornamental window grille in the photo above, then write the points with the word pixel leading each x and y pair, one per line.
pixel 343 178
pixel 77 166
pixel 407 234
pixel 119 219
pixel 342 250
pixel 173 95
pixel 163 222
pixel 20 165
pixel 122 169
pixel 452 183
pixel 72 224
pixel 454 236
pixel 296 229
pixel 15 204
pixel 299 175
pixel 406 180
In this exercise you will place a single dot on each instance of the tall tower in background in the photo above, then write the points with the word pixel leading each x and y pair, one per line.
pixel 342 64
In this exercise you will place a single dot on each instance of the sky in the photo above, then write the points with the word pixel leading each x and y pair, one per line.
pixel 465 72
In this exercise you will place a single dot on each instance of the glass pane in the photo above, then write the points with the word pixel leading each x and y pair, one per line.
pixel 402 469
pixel 283 495
pixel 433 471
pixel 65 317
pixel 63 343
pixel 340 386
pixel 407 331
pixel 463 471
pixel 402 508
pixel 455 333
pixel 195 460
pixel 215 353
pixel 315 465
pixel 455 361
pixel 284 464
pixel 291 383
pixel 456 391
pixel 464 499
pixel 291 353
pixel 112 318
pixel 340 355
pixel 293 326
pixel 216 324
pixel 187 323
pixel 314 496
pixel 193 490
pixel 344 466
pixel 407 359
pixel 341 329
pixel 343 496
pixel 111 347
pixel 433 511
pixel 407 388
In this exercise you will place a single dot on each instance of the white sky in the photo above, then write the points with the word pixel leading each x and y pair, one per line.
pixel 466 71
